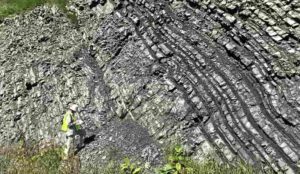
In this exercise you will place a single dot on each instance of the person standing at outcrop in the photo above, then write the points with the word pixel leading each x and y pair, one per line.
pixel 72 127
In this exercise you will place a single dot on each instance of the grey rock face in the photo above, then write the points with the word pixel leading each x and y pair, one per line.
pixel 216 76
pixel 115 140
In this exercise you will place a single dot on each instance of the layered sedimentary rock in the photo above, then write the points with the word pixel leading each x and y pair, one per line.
pixel 217 76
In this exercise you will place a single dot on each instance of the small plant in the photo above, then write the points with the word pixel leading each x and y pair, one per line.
pixel 129 168
pixel 176 162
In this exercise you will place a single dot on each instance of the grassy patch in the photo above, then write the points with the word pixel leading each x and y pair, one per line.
pixel 36 161
pixel 111 168
pixel 4 164
pixel 212 166
pixel 114 167
pixel 178 162
pixel 11 7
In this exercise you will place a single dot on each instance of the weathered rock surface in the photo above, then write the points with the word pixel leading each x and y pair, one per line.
pixel 218 76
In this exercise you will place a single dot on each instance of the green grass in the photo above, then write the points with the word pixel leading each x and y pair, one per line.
pixel 36 161
pixel 210 166
pixel 177 162
pixel 12 7
pixel 111 168
pixel 33 160
pixel 114 167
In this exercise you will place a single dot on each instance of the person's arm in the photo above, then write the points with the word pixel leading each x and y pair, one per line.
pixel 79 120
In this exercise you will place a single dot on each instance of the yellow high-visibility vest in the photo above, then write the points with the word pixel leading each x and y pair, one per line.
pixel 65 125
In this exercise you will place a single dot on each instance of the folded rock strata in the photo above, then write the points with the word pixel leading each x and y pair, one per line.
pixel 218 76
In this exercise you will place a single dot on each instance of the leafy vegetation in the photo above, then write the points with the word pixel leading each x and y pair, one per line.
pixel 36 161
pixel 48 160
pixel 114 167
pixel 111 168
pixel 129 168
pixel 11 7
pixel 179 163
pixel 176 163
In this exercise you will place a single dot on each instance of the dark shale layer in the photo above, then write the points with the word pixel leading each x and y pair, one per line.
pixel 220 77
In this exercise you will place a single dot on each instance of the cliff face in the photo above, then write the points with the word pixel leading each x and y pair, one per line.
pixel 216 76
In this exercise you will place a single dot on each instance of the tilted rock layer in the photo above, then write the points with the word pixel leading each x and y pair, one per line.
pixel 217 76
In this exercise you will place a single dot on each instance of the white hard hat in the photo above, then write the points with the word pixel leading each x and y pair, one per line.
pixel 74 107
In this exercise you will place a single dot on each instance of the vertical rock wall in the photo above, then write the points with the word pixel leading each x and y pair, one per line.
pixel 219 76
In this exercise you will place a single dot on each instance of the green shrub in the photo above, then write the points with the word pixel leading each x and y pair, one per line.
pixel 45 161
pixel 179 163
pixel 33 160
pixel 11 7
pixel 8 7
pixel 129 168
pixel 48 160
pixel 113 167
pixel 176 163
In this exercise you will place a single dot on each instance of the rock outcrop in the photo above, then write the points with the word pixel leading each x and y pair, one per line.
pixel 217 76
